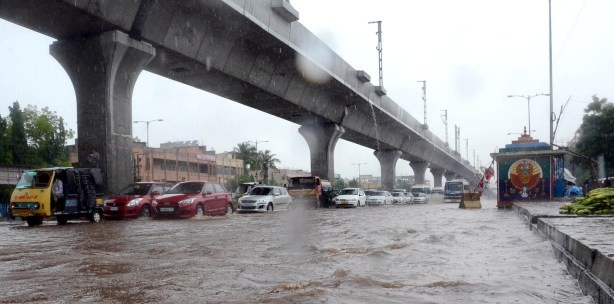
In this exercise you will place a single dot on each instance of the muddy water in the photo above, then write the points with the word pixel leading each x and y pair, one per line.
pixel 433 253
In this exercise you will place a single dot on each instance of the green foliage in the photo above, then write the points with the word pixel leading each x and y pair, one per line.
pixel 5 142
pixel 232 183
pixel 353 183
pixel 35 137
pixel 246 152
pixel 596 134
pixel 340 184
pixel 267 161
pixel 401 184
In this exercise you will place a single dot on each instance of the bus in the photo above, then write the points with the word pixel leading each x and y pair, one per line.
pixel 454 189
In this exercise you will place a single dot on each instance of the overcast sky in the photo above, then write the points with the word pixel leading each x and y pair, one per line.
pixel 472 54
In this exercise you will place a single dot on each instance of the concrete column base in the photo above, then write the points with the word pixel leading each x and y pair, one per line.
pixel 419 168
pixel 437 176
pixel 449 175
pixel 103 70
pixel 322 139
pixel 388 161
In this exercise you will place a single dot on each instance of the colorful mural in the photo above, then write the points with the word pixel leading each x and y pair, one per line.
pixel 524 179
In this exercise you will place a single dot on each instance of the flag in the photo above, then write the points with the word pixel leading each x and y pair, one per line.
pixel 488 173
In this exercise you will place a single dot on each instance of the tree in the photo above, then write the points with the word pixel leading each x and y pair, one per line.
pixel 353 183
pixel 5 140
pixel 596 133
pixel 246 152
pixel 47 135
pixel 19 142
pixel 340 184
pixel 267 160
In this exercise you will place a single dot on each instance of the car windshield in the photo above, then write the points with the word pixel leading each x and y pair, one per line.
pixel 418 190
pixel 397 194
pixel 186 188
pixel 379 193
pixel 261 191
pixel 302 183
pixel 455 187
pixel 136 189
pixel 349 191
pixel 34 179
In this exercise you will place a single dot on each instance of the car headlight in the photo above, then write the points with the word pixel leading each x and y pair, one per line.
pixel 187 201
pixel 261 201
pixel 134 202
pixel 105 203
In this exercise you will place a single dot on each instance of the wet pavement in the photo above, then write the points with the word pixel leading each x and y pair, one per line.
pixel 434 253
pixel 585 244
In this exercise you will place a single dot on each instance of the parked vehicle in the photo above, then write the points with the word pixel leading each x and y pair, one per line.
pixel 308 191
pixel 399 198
pixel 454 189
pixel 64 192
pixel 421 194
pixel 187 199
pixel 242 189
pixel 379 198
pixel 265 199
pixel 350 197
pixel 134 200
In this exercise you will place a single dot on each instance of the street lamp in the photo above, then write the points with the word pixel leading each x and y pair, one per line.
pixel 528 98
pixel 256 142
pixel 147 123
pixel 359 181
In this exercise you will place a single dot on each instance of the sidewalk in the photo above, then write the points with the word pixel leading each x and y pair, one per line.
pixel 584 243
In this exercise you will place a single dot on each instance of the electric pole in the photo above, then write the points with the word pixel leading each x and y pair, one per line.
pixel 444 117
pixel 379 51
pixel 424 99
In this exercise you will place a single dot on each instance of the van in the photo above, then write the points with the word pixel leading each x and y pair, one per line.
pixel 421 194
pixel 79 195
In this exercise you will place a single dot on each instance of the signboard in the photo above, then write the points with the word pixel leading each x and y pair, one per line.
pixel 205 157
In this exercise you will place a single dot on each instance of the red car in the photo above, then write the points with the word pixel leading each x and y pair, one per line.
pixel 134 200
pixel 187 199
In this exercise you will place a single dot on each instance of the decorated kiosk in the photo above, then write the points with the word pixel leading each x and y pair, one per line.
pixel 529 171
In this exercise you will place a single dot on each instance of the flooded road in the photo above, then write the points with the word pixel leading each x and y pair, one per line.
pixel 434 253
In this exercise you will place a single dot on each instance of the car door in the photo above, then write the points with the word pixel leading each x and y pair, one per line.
pixel 209 199
pixel 278 200
pixel 220 199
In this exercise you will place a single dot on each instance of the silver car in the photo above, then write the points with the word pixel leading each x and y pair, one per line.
pixel 265 199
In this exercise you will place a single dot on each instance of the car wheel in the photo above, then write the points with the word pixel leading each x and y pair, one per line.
pixel 200 211
pixel 34 221
pixel 61 220
pixel 269 208
pixel 145 211
pixel 96 216
pixel 229 209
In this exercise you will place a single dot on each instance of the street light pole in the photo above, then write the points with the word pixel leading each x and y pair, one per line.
pixel 359 181
pixel 147 122
pixel 551 93
pixel 528 98
pixel 256 142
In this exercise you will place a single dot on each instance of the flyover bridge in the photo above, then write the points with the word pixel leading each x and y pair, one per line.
pixel 245 51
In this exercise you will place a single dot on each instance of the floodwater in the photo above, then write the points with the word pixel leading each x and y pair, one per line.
pixel 434 253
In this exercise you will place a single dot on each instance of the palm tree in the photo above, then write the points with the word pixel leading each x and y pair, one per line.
pixel 246 152
pixel 268 161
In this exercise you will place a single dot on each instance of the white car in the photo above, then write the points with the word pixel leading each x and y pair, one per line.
pixel 265 199
pixel 350 197
pixel 378 198
pixel 400 198
pixel 421 193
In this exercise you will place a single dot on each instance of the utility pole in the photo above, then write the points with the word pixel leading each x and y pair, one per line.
pixel 467 147
pixel 456 139
pixel 424 99
pixel 359 180
pixel 444 117
pixel 379 51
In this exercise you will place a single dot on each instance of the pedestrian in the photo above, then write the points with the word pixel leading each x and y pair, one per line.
pixel 57 192
pixel 573 190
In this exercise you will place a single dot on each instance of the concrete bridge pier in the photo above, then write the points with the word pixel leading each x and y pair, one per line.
pixel 103 70
pixel 388 161
pixel 437 175
pixel 321 139
pixel 419 168
pixel 449 175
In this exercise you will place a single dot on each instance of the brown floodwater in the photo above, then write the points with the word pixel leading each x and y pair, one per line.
pixel 434 253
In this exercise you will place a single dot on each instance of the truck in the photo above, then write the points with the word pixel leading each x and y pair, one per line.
pixel 80 195
pixel 309 191
pixel 454 189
